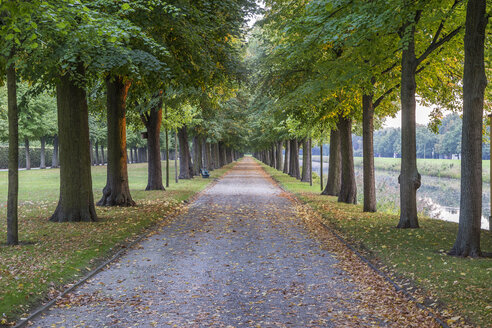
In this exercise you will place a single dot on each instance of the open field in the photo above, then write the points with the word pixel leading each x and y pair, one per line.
pixel 55 254
pixel 417 257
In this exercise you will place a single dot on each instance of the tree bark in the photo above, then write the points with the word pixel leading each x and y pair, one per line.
pixel 185 164
pixel 76 201
pixel 474 82
pixel 409 178
pixel 197 154
pixel 206 155
pixel 294 159
pixel 176 156
pixel 286 169
pixel 91 148
pixel 167 151
pixel 117 191
pixel 13 189
pixel 42 165
pixel 335 165
pixel 348 187
pixel 278 150
pixel 152 121
pixel 305 160
pixel 368 153
pixel 28 153
pixel 222 154
pixel 54 159
pixel 103 159
pixel 97 152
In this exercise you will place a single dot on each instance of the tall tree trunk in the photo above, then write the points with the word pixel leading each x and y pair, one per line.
pixel 217 155
pixel 76 201
pixel 28 153
pixel 474 82
pixel 13 189
pixel 368 153
pixel 197 154
pixel 103 159
pixel 176 154
pixel 152 121
pixel 222 155
pixel 335 165
pixel 305 160
pixel 348 188
pixel 97 152
pixel 185 164
pixel 91 148
pixel 54 159
pixel 42 165
pixel 206 154
pixel 287 157
pixel 409 178
pixel 117 191
pixel 294 159
pixel 278 150
pixel 167 151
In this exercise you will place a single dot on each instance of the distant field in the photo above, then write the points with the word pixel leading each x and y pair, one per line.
pixel 449 168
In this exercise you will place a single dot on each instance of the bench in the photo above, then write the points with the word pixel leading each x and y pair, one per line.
pixel 204 173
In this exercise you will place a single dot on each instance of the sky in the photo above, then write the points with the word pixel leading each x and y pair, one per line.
pixel 422 117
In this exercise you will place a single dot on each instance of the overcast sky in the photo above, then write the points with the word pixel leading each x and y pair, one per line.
pixel 422 117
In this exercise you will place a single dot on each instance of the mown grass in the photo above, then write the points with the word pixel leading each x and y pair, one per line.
pixel 464 285
pixel 55 254
pixel 446 168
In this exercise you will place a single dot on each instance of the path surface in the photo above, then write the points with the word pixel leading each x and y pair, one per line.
pixel 238 258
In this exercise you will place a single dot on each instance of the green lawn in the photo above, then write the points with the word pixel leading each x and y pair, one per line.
pixel 419 255
pixel 57 254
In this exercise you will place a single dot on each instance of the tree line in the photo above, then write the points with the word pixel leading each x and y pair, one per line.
pixel 320 66
pixel 112 65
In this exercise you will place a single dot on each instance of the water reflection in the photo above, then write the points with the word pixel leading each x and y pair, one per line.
pixel 438 198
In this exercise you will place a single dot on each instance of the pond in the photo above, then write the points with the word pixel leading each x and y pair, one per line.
pixel 439 198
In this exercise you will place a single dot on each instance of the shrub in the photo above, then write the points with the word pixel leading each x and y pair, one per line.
pixel 35 157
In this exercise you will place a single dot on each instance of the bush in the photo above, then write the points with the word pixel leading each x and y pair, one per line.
pixel 35 157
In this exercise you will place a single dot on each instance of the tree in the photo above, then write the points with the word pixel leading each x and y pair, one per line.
pixel 474 82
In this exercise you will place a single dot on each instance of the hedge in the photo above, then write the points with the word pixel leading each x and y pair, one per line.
pixel 35 157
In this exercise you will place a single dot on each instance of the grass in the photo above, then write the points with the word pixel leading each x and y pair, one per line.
pixel 446 168
pixel 418 255
pixel 55 254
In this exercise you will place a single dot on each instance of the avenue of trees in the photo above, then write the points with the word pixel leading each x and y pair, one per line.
pixel 324 68
pixel 120 76
pixel 185 73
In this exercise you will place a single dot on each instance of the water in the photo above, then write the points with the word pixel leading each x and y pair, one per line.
pixel 439 198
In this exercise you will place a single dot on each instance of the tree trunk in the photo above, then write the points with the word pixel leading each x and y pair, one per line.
pixel 294 159
pixel 305 160
pixel 321 165
pixel 97 152
pixel 348 187
pixel 76 201
pixel 228 155
pixel 103 159
pixel 28 154
pixel 222 155
pixel 152 121
pixel 42 165
pixel 197 154
pixel 54 159
pixel 287 157
pixel 117 191
pixel 176 156
pixel 409 178
pixel 474 82
pixel 167 151
pixel 91 148
pixel 185 164
pixel 335 165
pixel 368 153
pixel 217 155
pixel 278 150
pixel 13 189
pixel 206 155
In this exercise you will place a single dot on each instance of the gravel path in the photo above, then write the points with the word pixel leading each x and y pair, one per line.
pixel 239 257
